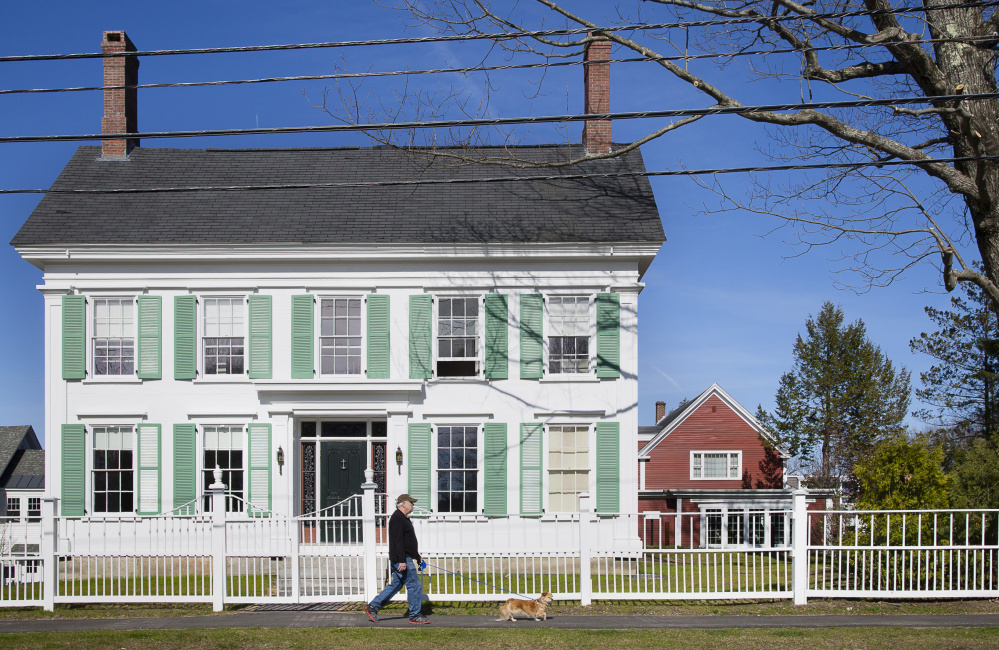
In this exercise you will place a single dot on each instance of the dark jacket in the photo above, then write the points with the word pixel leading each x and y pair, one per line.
pixel 402 539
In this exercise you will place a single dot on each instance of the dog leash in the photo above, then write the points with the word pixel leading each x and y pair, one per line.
pixel 481 582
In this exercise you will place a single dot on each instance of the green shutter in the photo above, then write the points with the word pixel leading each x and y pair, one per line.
pixel 608 467
pixel 185 343
pixel 148 468
pixel 419 337
pixel 497 357
pixel 302 355
pixel 609 335
pixel 185 466
pixel 259 483
pixel 150 337
pixel 378 336
pixel 73 461
pixel 494 483
pixel 260 337
pixel 419 464
pixel 530 468
pixel 74 341
pixel 531 364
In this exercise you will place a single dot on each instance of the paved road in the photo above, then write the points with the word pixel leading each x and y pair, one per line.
pixel 300 618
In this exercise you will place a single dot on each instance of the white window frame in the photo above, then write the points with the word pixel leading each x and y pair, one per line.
pixel 744 511
pixel 480 339
pixel 479 467
pixel 591 316
pixel 694 453
pixel 589 471
pixel 90 486
pixel 16 513
pixel 201 448
pixel 318 325
pixel 202 334
pixel 91 325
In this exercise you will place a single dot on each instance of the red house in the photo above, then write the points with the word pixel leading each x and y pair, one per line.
pixel 710 475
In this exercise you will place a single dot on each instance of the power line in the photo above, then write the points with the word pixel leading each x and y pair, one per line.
pixel 508 179
pixel 504 121
pixel 505 36
pixel 517 66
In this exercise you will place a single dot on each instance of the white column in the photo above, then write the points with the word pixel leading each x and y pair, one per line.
pixel 49 553
pixel 585 581
pixel 219 586
pixel 368 533
pixel 799 548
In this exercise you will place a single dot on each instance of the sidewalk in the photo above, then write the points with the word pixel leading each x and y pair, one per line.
pixel 306 618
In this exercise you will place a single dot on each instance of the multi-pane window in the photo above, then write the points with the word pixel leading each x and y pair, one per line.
pixel 457 469
pixel 736 531
pixel 713 523
pixel 113 467
pixel 715 465
pixel 34 508
pixel 224 449
pixel 569 340
pixel 777 520
pixel 114 342
pixel 224 336
pixel 457 337
pixel 568 466
pixel 13 507
pixel 340 336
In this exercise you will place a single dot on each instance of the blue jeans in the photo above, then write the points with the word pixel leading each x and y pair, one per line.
pixel 414 588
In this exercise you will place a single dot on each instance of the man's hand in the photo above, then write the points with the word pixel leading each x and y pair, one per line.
pixel 401 567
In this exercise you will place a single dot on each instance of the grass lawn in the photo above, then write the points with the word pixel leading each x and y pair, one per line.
pixel 414 639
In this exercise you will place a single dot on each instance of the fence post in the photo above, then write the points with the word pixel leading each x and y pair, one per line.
pixel 219 587
pixel 368 534
pixel 799 547
pixel 48 550
pixel 585 581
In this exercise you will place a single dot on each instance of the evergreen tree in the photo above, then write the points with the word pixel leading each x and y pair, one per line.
pixel 902 473
pixel 960 390
pixel 842 397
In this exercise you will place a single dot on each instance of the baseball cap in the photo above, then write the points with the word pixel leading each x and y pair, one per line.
pixel 405 497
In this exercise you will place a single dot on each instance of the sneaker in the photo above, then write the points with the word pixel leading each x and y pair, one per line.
pixel 371 612
pixel 419 619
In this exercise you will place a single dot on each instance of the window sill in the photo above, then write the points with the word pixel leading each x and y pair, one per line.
pixel 458 380
pixel 570 379
pixel 222 379
pixel 112 379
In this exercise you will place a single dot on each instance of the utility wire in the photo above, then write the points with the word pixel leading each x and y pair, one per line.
pixel 505 179
pixel 504 36
pixel 503 121
pixel 519 66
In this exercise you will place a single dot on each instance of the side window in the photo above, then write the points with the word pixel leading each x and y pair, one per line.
pixel 340 338
pixel 457 469
pixel 112 472
pixel 13 508
pixel 569 335
pixel 114 336
pixel 715 464
pixel 458 340
pixel 568 466
pixel 34 509
pixel 223 446
pixel 223 339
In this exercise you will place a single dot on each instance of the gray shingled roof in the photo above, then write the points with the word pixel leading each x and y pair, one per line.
pixel 10 439
pixel 588 210
pixel 29 471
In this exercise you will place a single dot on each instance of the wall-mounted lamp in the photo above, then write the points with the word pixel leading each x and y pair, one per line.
pixel 280 460
pixel 398 459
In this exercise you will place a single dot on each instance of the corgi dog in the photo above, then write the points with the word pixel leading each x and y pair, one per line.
pixel 533 608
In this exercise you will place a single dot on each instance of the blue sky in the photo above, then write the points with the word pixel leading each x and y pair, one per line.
pixel 722 303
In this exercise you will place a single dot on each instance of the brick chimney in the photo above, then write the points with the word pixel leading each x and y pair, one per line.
pixel 119 103
pixel 596 88
pixel 660 410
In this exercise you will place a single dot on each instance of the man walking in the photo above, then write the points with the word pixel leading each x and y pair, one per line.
pixel 404 557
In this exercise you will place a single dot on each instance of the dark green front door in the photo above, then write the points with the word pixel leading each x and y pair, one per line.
pixel 341 474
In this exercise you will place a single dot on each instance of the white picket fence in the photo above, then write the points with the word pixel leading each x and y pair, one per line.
pixel 340 554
